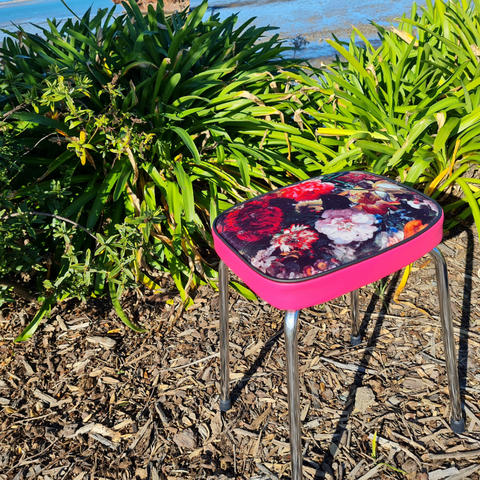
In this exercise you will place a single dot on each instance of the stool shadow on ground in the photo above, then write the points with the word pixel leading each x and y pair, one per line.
pixel 341 428
pixel 357 382
pixel 238 389
pixel 240 386
pixel 465 318
pixel 462 346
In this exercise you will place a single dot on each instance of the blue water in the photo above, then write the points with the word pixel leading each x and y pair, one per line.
pixel 26 12
pixel 315 20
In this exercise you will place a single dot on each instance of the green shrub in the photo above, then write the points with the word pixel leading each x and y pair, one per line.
pixel 122 138
pixel 128 135
pixel 411 107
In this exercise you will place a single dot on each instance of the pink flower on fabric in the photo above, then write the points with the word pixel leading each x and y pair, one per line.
pixel 307 191
pixel 264 259
pixel 346 226
pixel 357 177
pixel 297 237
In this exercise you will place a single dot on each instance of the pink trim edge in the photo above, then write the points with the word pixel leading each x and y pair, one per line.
pixel 307 293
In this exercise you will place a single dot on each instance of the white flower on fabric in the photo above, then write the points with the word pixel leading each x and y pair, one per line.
pixel 384 239
pixel 297 237
pixel 344 254
pixel 346 226
pixel 417 203
pixel 263 259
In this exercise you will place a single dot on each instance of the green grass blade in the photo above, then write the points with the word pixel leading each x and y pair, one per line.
pixel 31 328
pixel 119 310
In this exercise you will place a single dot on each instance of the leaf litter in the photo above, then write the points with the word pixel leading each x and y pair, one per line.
pixel 87 399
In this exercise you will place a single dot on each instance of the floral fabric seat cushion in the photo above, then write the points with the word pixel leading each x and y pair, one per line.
pixel 313 227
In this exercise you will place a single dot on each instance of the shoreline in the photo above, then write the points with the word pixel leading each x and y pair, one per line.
pixel 316 51
pixel 313 21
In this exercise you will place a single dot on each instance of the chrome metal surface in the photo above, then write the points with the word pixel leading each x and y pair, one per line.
pixel 224 353
pixel 293 389
pixel 456 420
pixel 355 338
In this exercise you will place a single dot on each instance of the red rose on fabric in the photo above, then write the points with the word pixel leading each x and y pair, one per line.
pixel 307 191
pixel 252 221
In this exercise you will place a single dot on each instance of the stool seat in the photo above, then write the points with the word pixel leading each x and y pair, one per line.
pixel 317 239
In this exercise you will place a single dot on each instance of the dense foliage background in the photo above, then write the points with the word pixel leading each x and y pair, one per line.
pixel 122 138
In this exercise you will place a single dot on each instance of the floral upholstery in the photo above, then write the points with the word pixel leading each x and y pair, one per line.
pixel 317 225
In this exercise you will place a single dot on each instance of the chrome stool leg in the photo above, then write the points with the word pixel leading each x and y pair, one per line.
pixel 293 388
pixel 456 422
pixel 355 337
pixel 225 402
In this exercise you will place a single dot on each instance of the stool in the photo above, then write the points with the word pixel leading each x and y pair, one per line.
pixel 317 239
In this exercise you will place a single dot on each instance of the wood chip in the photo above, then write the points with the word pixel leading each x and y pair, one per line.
pixel 163 417
pixel 121 425
pixel 464 473
pixel 453 455
pixel 261 418
pixel 136 359
pixel 344 366
pixel 44 397
pixel 110 380
pixel 441 474
pixel 28 368
pixel 79 367
pixel 106 342
pixel 185 439
pixel 265 470
pixel 364 399
pixel 103 440
pixel 79 326
pixel 61 323
pixel 254 349
pixel 98 428
pixel 372 473
pixel 140 434
pixel 310 337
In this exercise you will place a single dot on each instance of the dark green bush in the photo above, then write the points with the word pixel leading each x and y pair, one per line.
pixel 126 136
pixel 123 137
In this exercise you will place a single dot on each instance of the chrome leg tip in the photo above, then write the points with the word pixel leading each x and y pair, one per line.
pixel 225 405
pixel 457 426
pixel 355 340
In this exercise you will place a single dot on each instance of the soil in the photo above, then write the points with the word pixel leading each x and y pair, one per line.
pixel 88 399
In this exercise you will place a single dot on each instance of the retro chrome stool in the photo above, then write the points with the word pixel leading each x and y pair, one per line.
pixel 315 240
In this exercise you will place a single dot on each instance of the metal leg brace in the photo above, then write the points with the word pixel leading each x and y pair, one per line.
pixel 293 388
pixel 456 421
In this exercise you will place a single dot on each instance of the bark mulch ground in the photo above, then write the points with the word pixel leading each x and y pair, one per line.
pixel 88 399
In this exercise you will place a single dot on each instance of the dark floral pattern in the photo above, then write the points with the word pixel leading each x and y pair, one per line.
pixel 323 223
